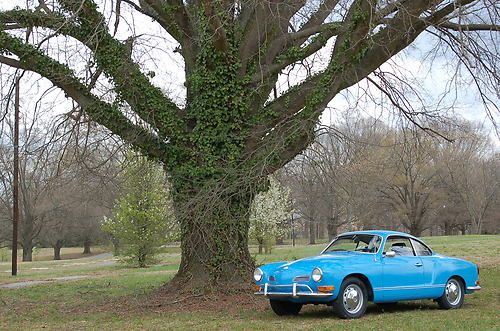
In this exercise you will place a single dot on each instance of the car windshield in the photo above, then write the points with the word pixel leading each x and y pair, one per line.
pixel 365 243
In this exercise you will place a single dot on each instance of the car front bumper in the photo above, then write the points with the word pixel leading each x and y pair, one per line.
pixel 297 291
pixel 473 288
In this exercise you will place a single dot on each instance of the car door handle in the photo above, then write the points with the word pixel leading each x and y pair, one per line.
pixel 418 264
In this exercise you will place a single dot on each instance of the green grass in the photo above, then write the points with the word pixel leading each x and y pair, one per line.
pixel 95 303
pixel 47 254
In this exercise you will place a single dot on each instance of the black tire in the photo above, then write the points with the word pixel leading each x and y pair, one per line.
pixel 453 295
pixel 283 308
pixel 352 293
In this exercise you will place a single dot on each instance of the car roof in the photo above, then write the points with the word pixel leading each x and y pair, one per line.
pixel 382 233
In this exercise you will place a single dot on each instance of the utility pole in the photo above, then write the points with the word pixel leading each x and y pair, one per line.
pixel 15 184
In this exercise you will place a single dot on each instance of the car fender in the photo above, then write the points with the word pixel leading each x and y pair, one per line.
pixel 447 267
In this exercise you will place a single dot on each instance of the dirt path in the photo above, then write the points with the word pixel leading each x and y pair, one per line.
pixel 28 283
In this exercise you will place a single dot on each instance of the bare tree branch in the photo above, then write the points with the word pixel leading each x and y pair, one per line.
pixel 61 76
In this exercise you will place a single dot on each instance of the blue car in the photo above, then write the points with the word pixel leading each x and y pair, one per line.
pixel 357 267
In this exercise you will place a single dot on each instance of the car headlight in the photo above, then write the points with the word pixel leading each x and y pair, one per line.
pixel 317 274
pixel 257 275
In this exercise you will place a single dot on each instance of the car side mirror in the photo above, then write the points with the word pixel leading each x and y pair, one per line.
pixel 390 254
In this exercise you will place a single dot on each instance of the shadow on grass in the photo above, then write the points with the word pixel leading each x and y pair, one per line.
pixel 322 311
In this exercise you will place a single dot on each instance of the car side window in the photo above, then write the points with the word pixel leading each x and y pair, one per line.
pixel 399 245
pixel 421 249
pixel 374 244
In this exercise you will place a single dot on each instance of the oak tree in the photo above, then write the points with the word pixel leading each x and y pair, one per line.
pixel 235 127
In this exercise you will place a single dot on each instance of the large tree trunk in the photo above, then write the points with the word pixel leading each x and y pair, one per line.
pixel 463 228
pixel 448 227
pixel 27 235
pixel 27 252
pixel 116 246
pixel 261 245
pixel 214 239
pixel 416 229
pixel 319 230
pixel 477 225
pixel 57 253
pixel 142 258
pixel 57 249
pixel 312 232
pixel 332 228
pixel 415 223
pixel 86 245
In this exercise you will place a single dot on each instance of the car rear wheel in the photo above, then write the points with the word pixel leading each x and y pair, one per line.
pixel 352 300
pixel 282 308
pixel 453 296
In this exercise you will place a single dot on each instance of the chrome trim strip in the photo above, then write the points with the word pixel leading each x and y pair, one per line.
pixel 303 278
pixel 288 285
pixel 299 294
pixel 306 292
pixel 415 287
pixel 473 288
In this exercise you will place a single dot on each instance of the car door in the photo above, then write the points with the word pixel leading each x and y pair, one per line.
pixel 432 288
pixel 403 272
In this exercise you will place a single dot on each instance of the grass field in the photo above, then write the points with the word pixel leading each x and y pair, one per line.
pixel 112 296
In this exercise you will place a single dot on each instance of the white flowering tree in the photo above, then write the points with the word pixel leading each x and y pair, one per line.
pixel 142 218
pixel 269 215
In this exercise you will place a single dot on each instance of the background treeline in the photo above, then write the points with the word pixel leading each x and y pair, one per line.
pixel 67 184
pixel 363 174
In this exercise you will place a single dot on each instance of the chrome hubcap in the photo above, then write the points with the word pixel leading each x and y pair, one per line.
pixel 453 292
pixel 353 298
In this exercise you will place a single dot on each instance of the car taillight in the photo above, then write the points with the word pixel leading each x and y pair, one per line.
pixel 477 281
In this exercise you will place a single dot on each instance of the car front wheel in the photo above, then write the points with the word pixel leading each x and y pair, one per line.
pixel 453 296
pixel 282 308
pixel 352 300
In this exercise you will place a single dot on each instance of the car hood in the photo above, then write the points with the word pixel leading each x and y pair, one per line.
pixel 304 267
pixel 329 257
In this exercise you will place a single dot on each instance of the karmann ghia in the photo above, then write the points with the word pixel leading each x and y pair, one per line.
pixel 358 267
